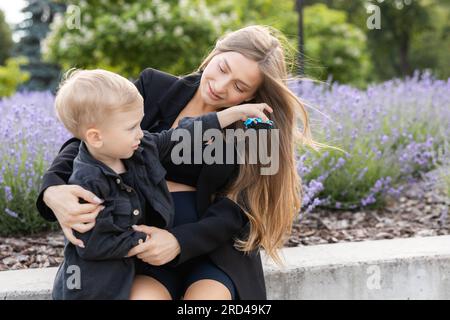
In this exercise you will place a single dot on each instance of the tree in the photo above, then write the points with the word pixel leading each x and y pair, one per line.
pixel 391 45
pixel 414 34
pixel 128 36
pixel 278 14
pixel 43 75
pixel 334 46
pixel 5 39
pixel 11 76
pixel 430 47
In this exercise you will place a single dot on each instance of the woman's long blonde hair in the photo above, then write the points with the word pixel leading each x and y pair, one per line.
pixel 271 202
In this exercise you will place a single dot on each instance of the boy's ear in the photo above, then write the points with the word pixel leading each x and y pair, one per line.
pixel 94 138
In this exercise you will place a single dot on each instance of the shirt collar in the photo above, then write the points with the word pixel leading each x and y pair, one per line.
pixel 85 156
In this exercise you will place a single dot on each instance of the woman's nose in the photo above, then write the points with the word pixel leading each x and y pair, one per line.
pixel 220 86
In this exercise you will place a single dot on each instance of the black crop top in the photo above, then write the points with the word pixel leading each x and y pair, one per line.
pixel 182 173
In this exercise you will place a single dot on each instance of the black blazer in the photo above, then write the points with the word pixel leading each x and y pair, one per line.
pixel 164 98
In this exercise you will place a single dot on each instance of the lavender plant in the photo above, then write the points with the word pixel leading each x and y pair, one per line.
pixel 30 137
pixel 391 133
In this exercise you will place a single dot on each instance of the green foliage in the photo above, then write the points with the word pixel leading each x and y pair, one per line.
pixel 28 221
pixel 278 14
pixel 414 35
pixel 430 47
pixel 332 45
pixel 127 36
pixel 5 39
pixel 169 35
pixel 331 42
pixel 11 76
pixel 390 46
pixel 446 179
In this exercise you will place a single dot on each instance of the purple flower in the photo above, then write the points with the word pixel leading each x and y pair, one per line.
pixel 30 137
pixel 391 132
pixel 8 193
pixel 11 213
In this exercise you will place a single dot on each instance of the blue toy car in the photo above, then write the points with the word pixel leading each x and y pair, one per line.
pixel 258 123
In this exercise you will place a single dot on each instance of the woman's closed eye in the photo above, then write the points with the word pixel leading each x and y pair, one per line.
pixel 236 87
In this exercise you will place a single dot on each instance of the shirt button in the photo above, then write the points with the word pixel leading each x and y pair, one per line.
pixel 118 181
pixel 136 212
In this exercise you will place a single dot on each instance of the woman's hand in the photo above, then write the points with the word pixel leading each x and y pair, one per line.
pixel 63 200
pixel 160 248
pixel 242 112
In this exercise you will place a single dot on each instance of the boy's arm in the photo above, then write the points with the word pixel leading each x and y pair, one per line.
pixel 107 240
pixel 212 120
pixel 163 140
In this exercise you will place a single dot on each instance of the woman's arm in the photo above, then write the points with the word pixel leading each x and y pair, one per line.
pixel 222 221
pixel 58 174
pixel 109 239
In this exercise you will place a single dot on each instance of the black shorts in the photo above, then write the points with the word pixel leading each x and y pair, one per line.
pixel 178 279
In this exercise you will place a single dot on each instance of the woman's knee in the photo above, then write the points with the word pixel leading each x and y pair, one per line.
pixel 207 289
pixel 148 288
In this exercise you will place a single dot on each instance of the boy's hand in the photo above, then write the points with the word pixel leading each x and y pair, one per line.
pixel 162 248
pixel 242 112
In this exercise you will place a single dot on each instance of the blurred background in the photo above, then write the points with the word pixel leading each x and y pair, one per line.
pixel 354 42
pixel 379 88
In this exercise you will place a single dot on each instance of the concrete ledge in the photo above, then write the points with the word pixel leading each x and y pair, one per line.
pixel 413 268
pixel 30 284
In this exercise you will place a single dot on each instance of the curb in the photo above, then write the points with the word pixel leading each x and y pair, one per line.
pixel 410 268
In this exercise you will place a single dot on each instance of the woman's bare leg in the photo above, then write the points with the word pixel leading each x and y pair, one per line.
pixel 148 288
pixel 207 289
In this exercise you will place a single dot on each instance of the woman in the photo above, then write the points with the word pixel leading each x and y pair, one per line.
pixel 216 242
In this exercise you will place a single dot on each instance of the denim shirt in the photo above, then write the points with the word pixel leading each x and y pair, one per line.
pixel 101 270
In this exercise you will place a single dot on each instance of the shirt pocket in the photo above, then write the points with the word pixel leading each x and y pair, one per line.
pixel 122 213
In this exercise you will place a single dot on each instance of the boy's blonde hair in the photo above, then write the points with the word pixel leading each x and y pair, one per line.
pixel 86 98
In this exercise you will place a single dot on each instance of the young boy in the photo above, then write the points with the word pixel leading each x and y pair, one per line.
pixel 121 164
